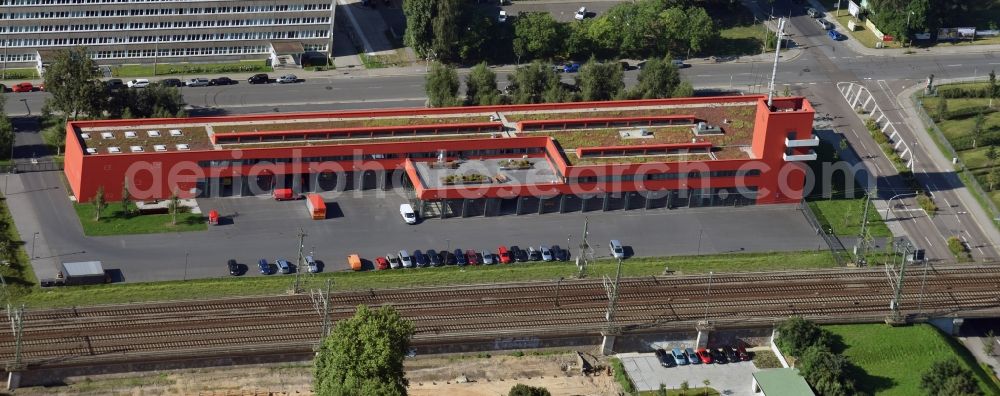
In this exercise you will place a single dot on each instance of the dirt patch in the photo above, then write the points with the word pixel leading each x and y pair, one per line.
pixel 453 375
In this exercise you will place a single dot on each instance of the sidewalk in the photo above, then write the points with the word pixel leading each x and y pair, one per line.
pixel 861 49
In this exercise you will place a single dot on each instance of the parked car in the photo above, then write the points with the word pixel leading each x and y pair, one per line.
pixel 666 360
pixel 691 356
pixel 546 253
pixel 824 23
pixel 731 354
pixel 560 253
pixel 394 262
pixel 405 259
pixel 813 12
pixel 719 356
pixel 502 17
pixel 114 84
pixel 234 269
pixel 221 81
pixel 435 258
pixel 572 67
pixel 311 264
pixel 288 78
pixel 409 216
pixel 421 259
pixel 580 14
pixel 41 86
pixel 835 35
pixel 625 65
pixel 504 255
pixel 460 258
pixel 519 254
pixel 381 263
pixel 472 257
pixel 197 82
pixel 171 82
pixel 487 258
pixel 533 254
pixel 704 356
pixel 283 266
pixel 679 357
pixel 448 258
pixel 742 352
pixel 138 83
pixel 617 251
pixel 679 63
pixel 260 78
pixel 3 88
pixel 265 268
pixel 23 87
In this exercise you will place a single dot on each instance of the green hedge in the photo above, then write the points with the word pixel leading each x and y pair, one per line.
pixel 968 112
pixel 982 91
pixel 621 376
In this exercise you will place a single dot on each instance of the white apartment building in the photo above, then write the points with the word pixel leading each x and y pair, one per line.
pixel 147 31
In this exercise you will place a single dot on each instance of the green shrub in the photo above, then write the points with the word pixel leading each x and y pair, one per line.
pixel 964 92
pixel 621 376
pixel 927 204
pixel 959 249
pixel 968 112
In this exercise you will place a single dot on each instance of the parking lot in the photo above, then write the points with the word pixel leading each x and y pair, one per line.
pixel 369 224
pixel 562 12
pixel 729 379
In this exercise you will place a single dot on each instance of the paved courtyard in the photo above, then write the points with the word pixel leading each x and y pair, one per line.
pixel 729 379
pixel 369 224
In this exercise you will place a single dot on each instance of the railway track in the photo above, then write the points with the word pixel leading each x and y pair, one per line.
pixel 251 325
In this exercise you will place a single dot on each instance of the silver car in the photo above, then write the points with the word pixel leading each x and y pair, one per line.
pixel 546 253
pixel 488 257
pixel 311 263
pixel 197 82
pixel 288 78
pixel 404 257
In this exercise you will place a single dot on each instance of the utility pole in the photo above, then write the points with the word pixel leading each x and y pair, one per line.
pixel 610 331
pixel 894 315
pixel 777 54
pixel 297 286
pixel 321 303
pixel 581 256
pixel 923 283
pixel 862 251
pixel 558 283
pixel 16 317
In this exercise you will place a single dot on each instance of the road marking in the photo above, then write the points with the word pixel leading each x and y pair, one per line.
pixel 929 244
pixel 704 75
pixel 953 65
pixel 946 201
pixel 995 63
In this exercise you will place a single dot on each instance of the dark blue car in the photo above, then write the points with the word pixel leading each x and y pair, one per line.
pixel 460 258
pixel 835 35
pixel 265 268
pixel 571 68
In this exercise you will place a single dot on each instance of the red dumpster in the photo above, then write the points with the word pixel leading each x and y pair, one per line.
pixel 213 217
pixel 316 206
pixel 284 194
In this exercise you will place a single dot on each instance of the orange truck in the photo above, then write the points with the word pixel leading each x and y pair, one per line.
pixel 316 206
pixel 355 262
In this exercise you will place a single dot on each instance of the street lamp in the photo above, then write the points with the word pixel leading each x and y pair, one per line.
pixel 889 202
pixel 709 294
pixel 908 24
pixel 186 254
pixel 33 238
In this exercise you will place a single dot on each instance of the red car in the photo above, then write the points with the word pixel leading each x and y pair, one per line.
pixel 472 257
pixel 381 263
pixel 704 356
pixel 23 87
pixel 741 351
pixel 504 254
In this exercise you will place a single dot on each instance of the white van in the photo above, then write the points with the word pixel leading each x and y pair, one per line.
pixel 138 83
pixel 616 249
pixel 409 216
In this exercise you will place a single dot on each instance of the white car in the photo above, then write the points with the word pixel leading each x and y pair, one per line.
pixel 617 251
pixel 406 259
pixel 138 83
pixel 311 263
pixel 288 78
pixel 580 14
pixel 409 216
pixel 197 82
pixel 503 16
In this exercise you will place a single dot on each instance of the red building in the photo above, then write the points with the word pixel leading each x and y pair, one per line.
pixel 467 161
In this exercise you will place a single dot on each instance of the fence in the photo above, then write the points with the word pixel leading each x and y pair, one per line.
pixel 967 177
pixel 836 247
pixel 34 166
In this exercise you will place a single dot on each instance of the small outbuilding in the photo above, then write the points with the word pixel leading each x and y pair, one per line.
pixel 780 382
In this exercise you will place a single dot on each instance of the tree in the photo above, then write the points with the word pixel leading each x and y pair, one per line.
pixel 826 372
pixel 706 382
pixel 942 109
pixel 71 80
pixel 525 390
pixel 662 391
pixel 6 131
pixel 796 334
pixel 419 15
pixel 685 387
pixel 658 79
pixel 55 136
pixel 989 342
pixel 442 86
pixel 447 30
pixel 536 35
pixel 993 86
pixel 600 81
pixel 99 203
pixel 683 90
pixel 481 86
pixel 174 206
pixel 949 378
pixel 363 355
pixel 701 30
pixel 126 199
pixel 528 83
pixel 992 154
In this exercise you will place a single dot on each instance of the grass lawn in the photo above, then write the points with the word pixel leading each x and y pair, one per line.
pixel 28 73
pixel 844 216
pixel 113 221
pixel 162 69
pixel 863 35
pixel 380 61
pixel 894 358
pixel 345 280
pixel 742 40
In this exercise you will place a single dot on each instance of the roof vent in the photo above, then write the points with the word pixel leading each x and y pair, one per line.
pixel 175 132
pixel 91 150
pixel 114 150
pixel 107 135
pixel 153 133
pixel 160 147
pixel 136 149
pixel 130 134
pixel 85 135
pixel 183 147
